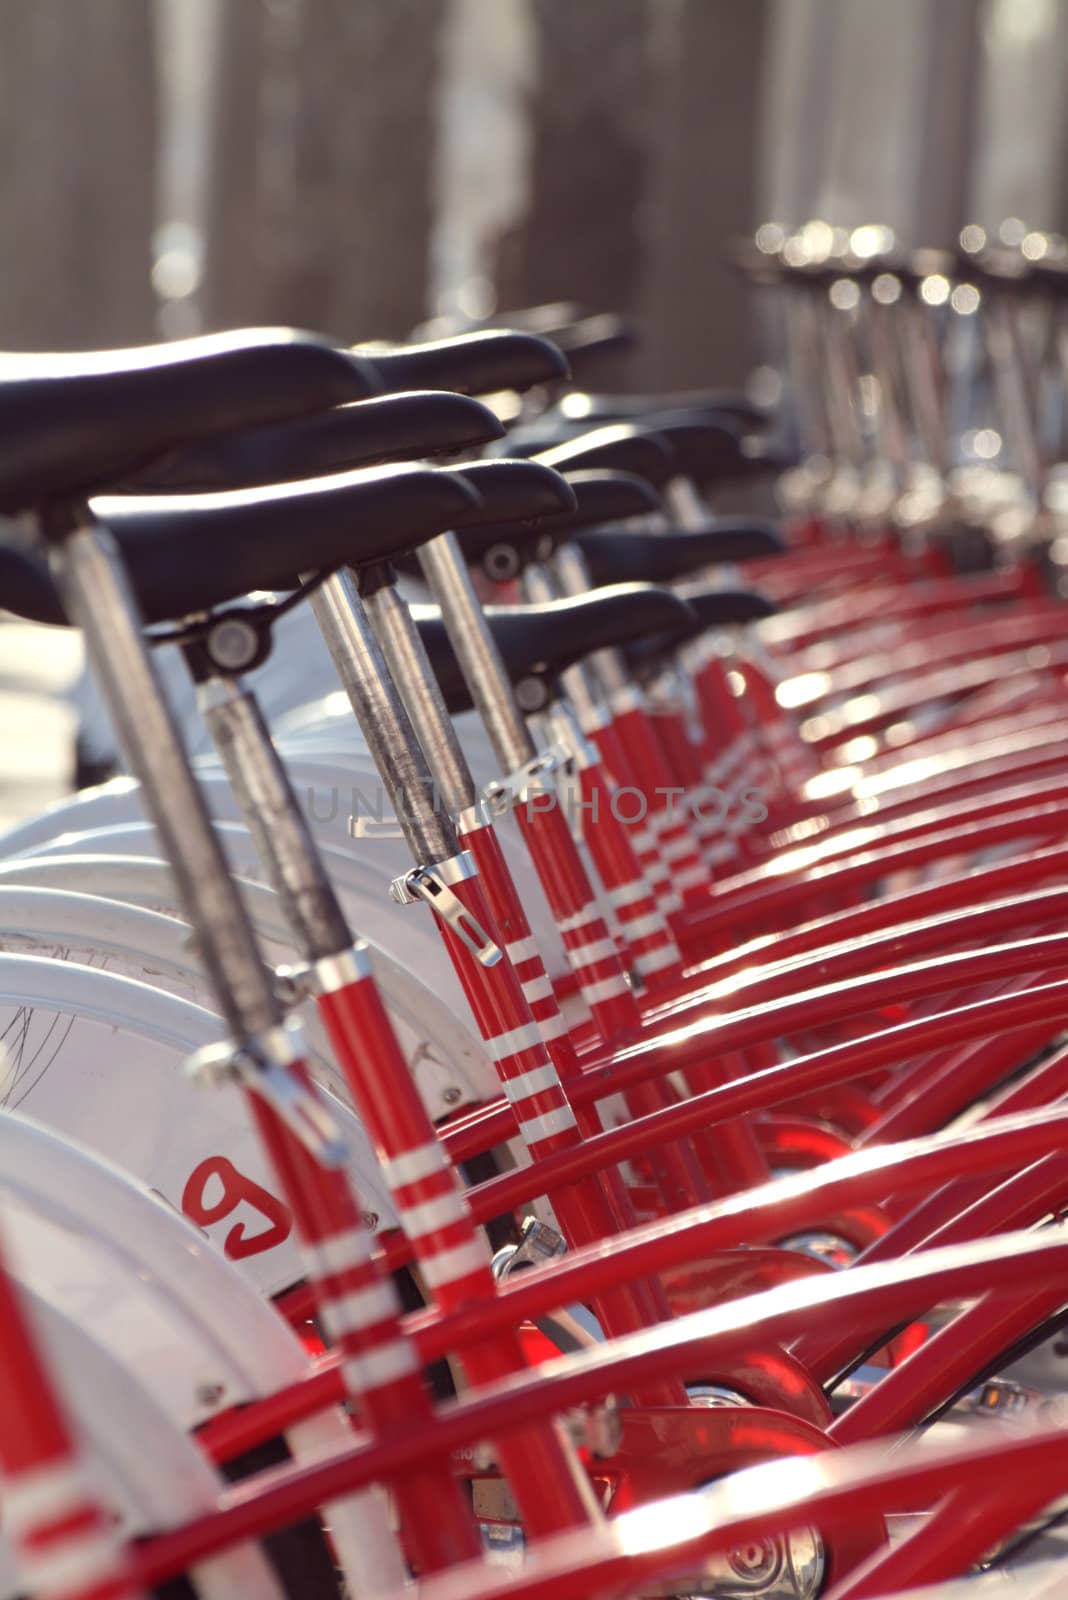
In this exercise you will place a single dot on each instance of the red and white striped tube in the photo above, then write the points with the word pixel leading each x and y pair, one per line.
pixel 632 813
pixel 589 946
pixel 712 816
pixel 595 960
pixel 733 760
pixel 667 818
pixel 360 1313
pixel 453 1256
pixel 796 760
pixel 64 1539
pixel 652 951
pixel 785 763
pixel 590 1214
pixel 480 837
pixel 546 1122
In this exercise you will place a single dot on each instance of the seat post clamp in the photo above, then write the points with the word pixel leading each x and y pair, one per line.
pixel 262 1062
pixel 501 794
pixel 431 885
pixel 570 737
pixel 538 1243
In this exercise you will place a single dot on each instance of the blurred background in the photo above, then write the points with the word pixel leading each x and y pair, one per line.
pixel 360 166
pixel 357 166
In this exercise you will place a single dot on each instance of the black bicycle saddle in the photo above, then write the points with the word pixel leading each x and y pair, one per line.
pixel 470 363
pixel 520 494
pixel 582 336
pixel 503 548
pixel 72 424
pixel 622 448
pixel 538 641
pixel 726 608
pixel 190 553
pixel 709 608
pixel 592 409
pixel 627 555
pixel 398 427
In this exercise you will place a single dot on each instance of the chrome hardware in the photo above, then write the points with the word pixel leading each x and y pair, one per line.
pixel 454 870
pixel 1002 1398
pixel 502 793
pixel 538 1242
pixel 570 1328
pixel 825 1247
pixel 337 971
pixel 234 643
pixel 429 884
pixel 789 1568
pixel 293 984
pixel 713 1397
pixel 262 1062
pixel 374 828
pixel 570 736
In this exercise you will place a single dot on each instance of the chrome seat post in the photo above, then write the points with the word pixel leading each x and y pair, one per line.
pixel 90 575
pixel 392 741
pixel 480 661
pixel 263 1053
pixel 264 793
pixel 414 675
pixel 412 672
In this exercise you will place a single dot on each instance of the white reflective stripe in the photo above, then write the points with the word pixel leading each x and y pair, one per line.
pixel 595 994
pixel 43 1494
pixel 553 1027
pixel 544 1127
pixel 376 1368
pixel 643 841
pixel 692 878
pixel 737 825
pixel 670 902
pixel 628 893
pixel 588 955
pixel 363 1308
pixel 715 771
pixel 657 960
pixel 511 1043
pixel 736 751
pixel 76 1564
pixel 675 849
pixel 349 1249
pixel 411 1165
pixel 643 927
pixel 431 1214
pixel 447 1265
pixel 660 821
pixel 581 919
pixel 536 1081
pixel 709 834
pixel 537 989
pixel 522 950
pixel 722 850
pixel 624 700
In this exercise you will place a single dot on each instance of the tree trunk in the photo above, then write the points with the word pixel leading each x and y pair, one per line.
pixel 696 312
pixel 583 236
pixel 77 173
pixel 320 206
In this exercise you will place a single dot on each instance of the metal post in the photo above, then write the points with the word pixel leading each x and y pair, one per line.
pixel 391 739
pixel 98 598
pixel 411 670
pixel 480 660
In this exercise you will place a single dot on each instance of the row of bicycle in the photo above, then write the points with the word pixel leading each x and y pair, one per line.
pixel 704 1130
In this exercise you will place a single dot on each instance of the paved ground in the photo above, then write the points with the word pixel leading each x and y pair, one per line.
pixel 36 727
